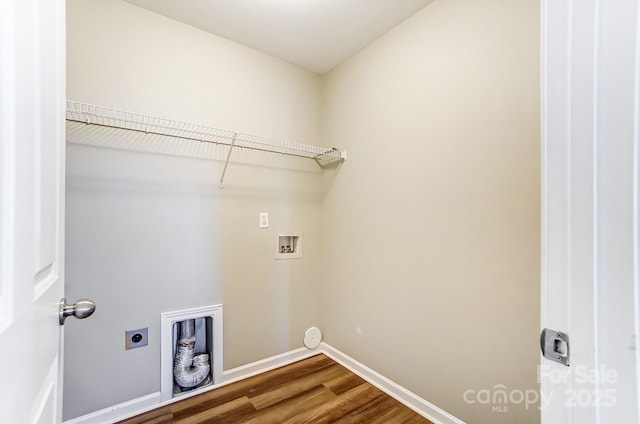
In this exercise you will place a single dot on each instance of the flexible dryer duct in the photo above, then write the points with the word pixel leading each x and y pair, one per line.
pixel 189 370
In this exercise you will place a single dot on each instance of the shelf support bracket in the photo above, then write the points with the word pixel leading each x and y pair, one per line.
pixel 325 162
pixel 226 163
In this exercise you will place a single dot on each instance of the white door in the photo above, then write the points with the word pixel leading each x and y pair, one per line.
pixel 591 210
pixel 32 73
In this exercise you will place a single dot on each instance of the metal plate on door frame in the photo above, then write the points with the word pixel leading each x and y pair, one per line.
pixel 555 346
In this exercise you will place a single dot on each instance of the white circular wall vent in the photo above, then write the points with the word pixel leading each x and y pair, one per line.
pixel 312 338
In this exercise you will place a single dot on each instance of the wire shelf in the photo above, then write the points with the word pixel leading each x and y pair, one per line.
pixel 114 118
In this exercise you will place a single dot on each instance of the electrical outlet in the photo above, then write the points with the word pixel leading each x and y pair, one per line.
pixel 136 338
pixel 264 220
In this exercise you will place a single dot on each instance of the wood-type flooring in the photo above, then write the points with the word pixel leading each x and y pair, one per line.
pixel 314 390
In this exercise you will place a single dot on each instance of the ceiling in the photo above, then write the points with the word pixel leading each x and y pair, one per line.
pixel 314 34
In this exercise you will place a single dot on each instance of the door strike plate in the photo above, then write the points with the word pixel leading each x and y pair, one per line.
pixel 555 346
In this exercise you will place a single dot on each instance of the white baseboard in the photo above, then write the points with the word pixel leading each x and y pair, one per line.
pixel 406 397
pixel 268 364
pixel 120 411
pixel 146 403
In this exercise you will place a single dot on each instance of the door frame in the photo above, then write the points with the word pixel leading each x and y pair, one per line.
pixel 590 288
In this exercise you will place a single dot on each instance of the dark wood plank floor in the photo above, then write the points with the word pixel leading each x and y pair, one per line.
pixel 315 390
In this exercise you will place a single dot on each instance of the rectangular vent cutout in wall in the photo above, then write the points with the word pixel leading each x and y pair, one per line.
pixel 191 350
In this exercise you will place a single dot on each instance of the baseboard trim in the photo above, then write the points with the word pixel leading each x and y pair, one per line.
pixel 267 364
pixel 151 401
pixel 396 391
pixel 120 411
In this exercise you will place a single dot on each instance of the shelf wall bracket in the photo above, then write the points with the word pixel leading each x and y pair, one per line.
pixel 226 163
pixel 329 158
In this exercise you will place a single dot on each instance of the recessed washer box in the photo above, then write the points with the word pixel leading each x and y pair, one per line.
pixel 289 246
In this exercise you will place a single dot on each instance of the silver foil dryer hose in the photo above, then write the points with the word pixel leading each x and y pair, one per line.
pixel 189 371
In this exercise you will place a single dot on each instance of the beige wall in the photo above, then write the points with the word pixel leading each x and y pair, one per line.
pixel 149 232
pixel 421 252
pixel 432 226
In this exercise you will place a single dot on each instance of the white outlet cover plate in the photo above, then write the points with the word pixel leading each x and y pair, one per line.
pixel 312 337
pixel 264 220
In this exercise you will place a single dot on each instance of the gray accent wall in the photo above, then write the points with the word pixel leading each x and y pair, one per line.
pixel 148 228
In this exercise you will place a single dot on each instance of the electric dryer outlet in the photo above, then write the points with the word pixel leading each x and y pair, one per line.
pixel 136 338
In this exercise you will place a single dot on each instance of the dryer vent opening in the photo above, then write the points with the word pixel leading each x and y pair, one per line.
pixel 191 350
pixel 191 354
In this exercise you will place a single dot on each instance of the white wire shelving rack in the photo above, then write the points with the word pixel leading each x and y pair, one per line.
pixel 113 118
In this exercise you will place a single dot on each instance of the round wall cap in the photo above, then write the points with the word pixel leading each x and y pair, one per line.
pixel 312 337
